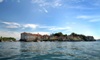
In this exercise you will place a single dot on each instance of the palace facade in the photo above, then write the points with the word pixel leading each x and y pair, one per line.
pixel 33 37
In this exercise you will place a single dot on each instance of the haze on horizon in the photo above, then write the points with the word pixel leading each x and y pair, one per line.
pixel 49 16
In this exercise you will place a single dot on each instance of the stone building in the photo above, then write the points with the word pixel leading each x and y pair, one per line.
pixel 30 37
pixel 33 37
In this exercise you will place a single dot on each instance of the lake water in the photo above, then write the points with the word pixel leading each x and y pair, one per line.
pixel 50 50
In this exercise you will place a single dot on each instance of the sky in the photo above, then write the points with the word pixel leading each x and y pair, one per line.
pixel 49 16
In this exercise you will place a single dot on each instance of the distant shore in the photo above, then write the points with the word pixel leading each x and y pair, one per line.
pixel 29 37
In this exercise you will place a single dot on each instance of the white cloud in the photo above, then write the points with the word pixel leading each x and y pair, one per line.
pixel 69 4
pixel 57 3
pixel 78 7
pixel 1 1
pixel 17 25
pixel 45 10
pixel 55 28
pixel 89 18
pixel 44 3
pixel 11 24
pixel 60 28
pixel 95 20
pixel 83 17
pixel 33 26
pixel 10 34
pixel 12 27
pixel 77 4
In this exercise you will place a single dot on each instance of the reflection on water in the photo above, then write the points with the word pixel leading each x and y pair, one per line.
pixel 50 50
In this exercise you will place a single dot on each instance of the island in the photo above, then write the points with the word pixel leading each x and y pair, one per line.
pixel 7 39
pixel 29 37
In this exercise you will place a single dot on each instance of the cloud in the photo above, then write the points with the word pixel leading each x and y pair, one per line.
pixel 78 7
pixel 81 4
pixel 10 34
pixel 1 1
pixel 83 17
pixel 57 3
pixel 11 24
pixel 45 10
pixel 67 4
pixel 89 18
pixel 33 26
pixel 55 28
pixel 45 3
pixel 95 20
pixel 60 28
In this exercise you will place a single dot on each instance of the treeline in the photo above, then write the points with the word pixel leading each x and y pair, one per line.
pixel 72 37
pixel 9 39
pixel 58 34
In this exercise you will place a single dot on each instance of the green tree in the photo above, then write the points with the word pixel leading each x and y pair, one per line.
pixel 65 35
pixel 74 34
pixel 7 39
pixel 58 34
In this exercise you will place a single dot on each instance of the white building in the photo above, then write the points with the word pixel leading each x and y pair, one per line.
pixel 30 37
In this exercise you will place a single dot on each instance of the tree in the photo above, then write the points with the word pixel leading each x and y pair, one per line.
pixel 7 39
pixel 73 34
pixel 65 35
pixel 58 34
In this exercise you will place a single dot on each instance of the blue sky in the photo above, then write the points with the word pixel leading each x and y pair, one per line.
pixel 49 16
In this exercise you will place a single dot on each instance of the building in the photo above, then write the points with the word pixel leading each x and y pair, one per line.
pixel 38 37
pixel 45 37
pixel 30 37
pixel 33 37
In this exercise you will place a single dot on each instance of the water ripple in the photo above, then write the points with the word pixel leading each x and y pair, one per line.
pixel 50 50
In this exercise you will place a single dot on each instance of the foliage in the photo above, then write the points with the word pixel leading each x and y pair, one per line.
pixel 58 34
pixel 7 39
pixel 74 34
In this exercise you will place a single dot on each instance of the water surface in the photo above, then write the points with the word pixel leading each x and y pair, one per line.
pixel 50 50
